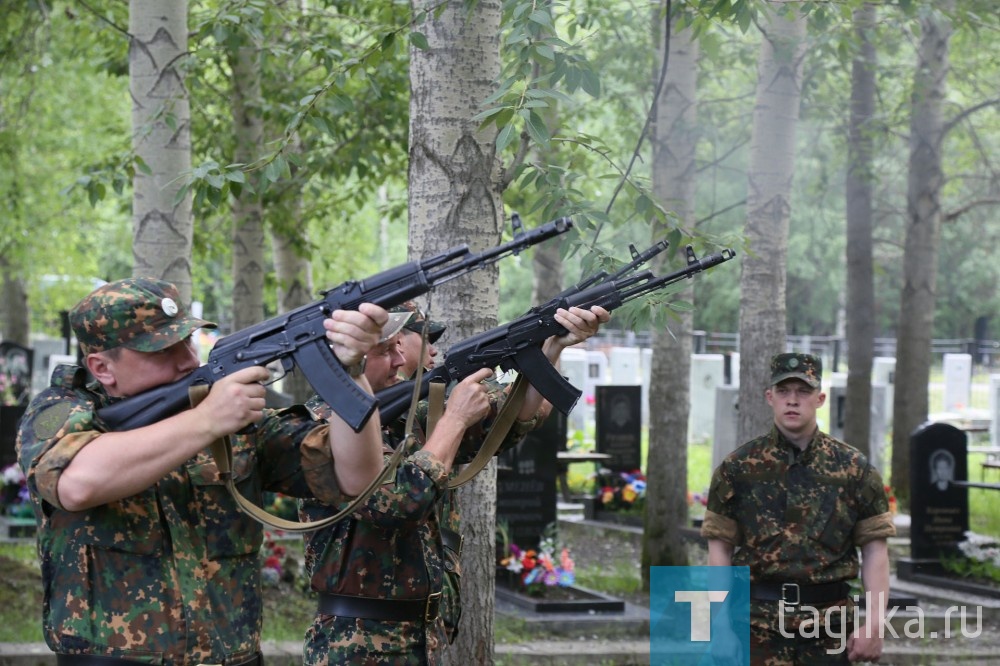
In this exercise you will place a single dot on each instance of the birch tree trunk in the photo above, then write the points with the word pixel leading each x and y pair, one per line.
pixel 860 271
pixel 674 138
pixel 248 216
pixel 454 197
pixel 772 165
pixel 162 229
pixel 923 230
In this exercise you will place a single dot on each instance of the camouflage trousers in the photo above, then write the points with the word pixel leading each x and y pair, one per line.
pixel 788 644
pixel 332 640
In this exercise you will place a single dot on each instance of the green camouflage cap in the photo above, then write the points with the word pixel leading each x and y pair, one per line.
pixel 142 314
pixel 806 367
pixel 419 320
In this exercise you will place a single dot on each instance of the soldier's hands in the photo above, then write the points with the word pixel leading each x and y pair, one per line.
pixel 469 400
pixel 235 401
pixel 580 324
pixel 353 333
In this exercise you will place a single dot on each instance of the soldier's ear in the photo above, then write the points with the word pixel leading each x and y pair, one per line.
pixel 99 367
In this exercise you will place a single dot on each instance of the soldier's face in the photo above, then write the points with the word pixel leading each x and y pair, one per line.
pixel 130 372
pixel 383 364
pixel 409 344
pixel 794 404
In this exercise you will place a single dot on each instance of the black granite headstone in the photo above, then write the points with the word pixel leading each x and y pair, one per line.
pixel 526 488
pixel 939 509
pixel 15 393
pixel 619 426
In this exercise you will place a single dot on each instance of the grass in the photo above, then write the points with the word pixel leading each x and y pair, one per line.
pixel 20 594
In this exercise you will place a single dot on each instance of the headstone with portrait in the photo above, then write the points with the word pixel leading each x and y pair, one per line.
pixel 619 426
pixel 15 393
pixel 939 509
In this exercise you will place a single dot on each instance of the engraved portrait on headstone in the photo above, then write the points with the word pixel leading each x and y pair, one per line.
pixel 942 464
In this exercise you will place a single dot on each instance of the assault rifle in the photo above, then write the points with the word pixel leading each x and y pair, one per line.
pixel 518 344
pixel 298 339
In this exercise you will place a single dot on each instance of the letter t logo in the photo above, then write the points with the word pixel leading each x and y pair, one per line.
pixel 701 610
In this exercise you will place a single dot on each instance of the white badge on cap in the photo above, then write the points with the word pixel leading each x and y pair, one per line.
pixel 169 307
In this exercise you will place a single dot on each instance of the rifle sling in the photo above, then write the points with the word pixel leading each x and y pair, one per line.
pixel 222 452
pixel 501 426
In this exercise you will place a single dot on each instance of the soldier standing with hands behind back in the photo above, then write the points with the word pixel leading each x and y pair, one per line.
pixel 146 558
pixel 795 505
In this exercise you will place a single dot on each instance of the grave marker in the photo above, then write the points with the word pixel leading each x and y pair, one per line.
pixel 619 426
pixel 957 382
pixel 939 509
pixel 526 486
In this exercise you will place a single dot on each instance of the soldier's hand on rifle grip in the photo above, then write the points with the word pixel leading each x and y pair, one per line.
pixel 353 333
pixel 234 402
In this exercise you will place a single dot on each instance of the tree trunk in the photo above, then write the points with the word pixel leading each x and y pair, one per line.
pixel 860 273
pixel 674 139
pixel 772 163
pixel 162 229
pixel 454 198
pixel 295 286
pixel 248 216
pixel 16 316
pixel 923 228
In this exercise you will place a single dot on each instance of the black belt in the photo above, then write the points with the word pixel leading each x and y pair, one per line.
pixel 369 608
pixel 451 540
pixel 105 660
pixel 795 594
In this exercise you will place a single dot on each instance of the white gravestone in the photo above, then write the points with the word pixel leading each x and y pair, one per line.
pixel 884 373
pixel 995 410
pixel 727 423
pixel 957 382
pixel 707 374
pixel 573 366
pixel 647 371
pixel 624 364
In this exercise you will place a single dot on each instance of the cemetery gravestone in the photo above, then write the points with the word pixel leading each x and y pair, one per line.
pixel 884 372
pixel 707 372
pixel 526 488
pixel 619 426
pixel 957 382
pixel 727 422
pixel 939 509
pixel 15 392
pixel 994 407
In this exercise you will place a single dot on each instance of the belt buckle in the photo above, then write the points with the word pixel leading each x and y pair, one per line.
pixel 784 593
pixel 432 606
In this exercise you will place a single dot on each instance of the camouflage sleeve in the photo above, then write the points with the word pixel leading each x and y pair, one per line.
pixel 720 521
pixel 874 517
pixel 410 498
pixel 57 424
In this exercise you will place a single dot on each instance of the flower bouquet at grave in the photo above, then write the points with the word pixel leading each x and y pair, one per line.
pixel 14 493
pixel 621 491
pixel 537 571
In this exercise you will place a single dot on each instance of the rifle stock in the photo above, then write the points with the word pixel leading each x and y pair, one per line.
pixel 298 339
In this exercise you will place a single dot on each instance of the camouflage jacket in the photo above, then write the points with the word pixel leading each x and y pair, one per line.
pixel 391 548
pixel 797 515
pixel 168 576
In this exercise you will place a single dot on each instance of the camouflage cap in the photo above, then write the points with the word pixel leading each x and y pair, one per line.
pixel 142 314
pixel 397 320
pixel 416 324
pixel 806 367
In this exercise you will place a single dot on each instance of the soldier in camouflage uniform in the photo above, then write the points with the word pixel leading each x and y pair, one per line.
pixel 145 556
pixel 795 505
pixel 411 340
pixel 382 572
